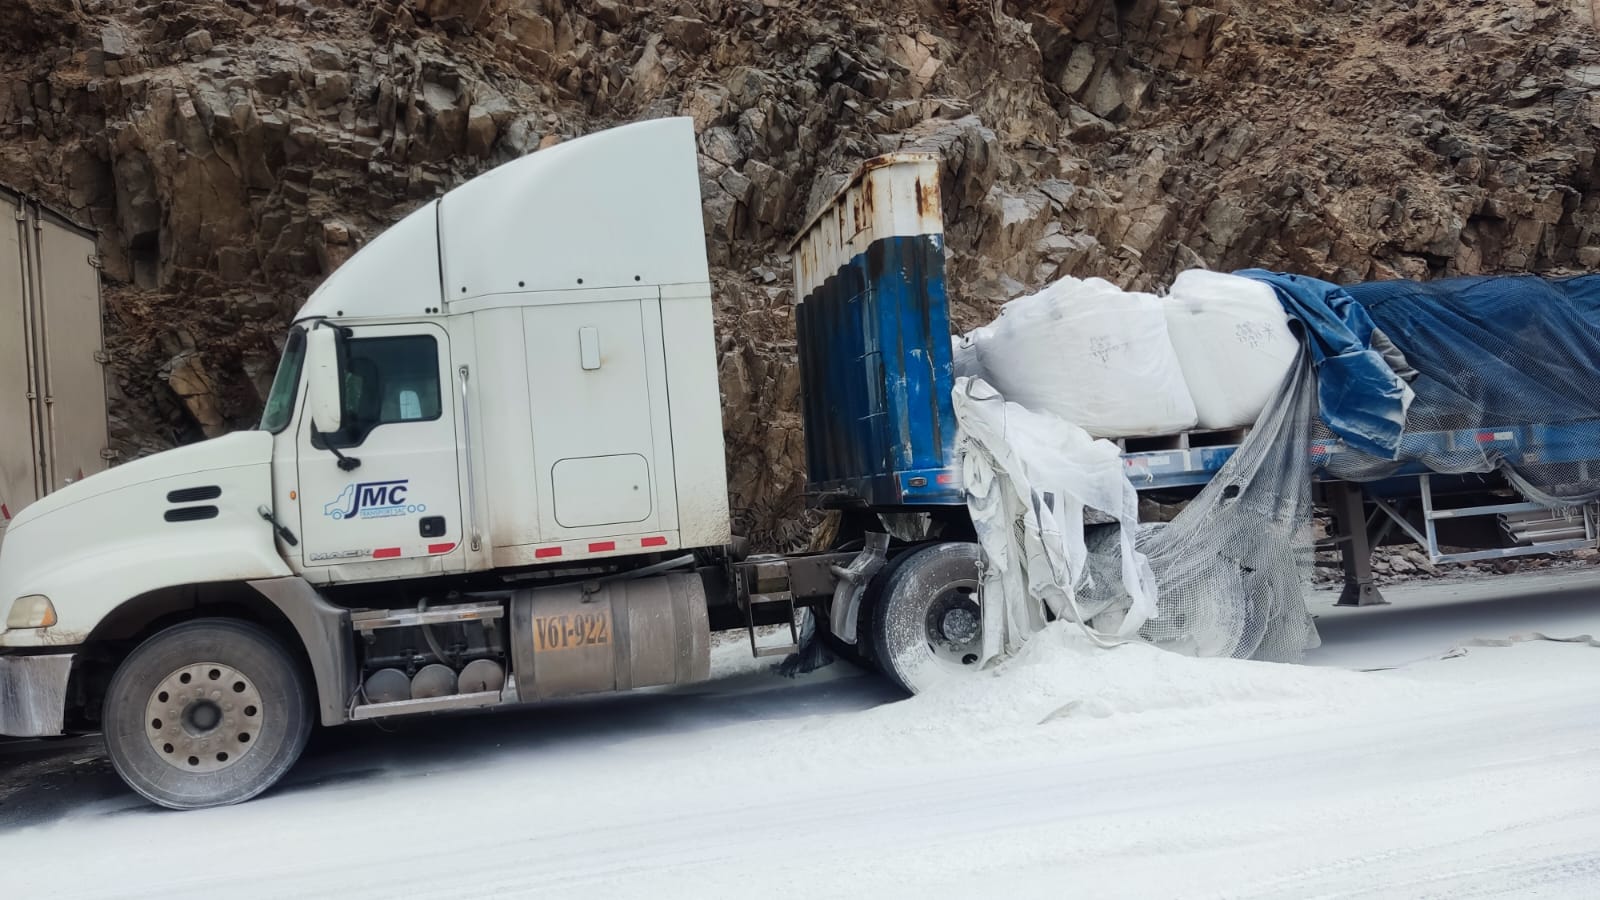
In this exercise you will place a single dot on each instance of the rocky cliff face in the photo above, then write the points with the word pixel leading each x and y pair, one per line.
pixel 233 153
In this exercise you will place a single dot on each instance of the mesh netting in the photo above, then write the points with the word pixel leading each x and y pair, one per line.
pixel 1231 569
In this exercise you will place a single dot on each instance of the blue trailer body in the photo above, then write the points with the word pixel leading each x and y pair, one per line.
pixel 873 339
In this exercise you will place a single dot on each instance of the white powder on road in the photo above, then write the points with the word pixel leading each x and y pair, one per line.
pixel 1066 771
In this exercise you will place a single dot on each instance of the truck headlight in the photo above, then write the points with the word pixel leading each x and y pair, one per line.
pixel 32 611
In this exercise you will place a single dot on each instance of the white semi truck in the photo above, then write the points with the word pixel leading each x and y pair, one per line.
pixel 491 472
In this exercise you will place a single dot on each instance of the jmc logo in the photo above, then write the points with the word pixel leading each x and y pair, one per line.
pixel 373 500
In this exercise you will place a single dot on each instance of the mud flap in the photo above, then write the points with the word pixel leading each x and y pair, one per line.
pixel 852 586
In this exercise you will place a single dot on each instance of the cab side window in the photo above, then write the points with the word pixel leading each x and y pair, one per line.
pixel 387 380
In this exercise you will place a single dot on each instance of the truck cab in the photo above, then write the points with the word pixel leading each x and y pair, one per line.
pixel 516 380
pixel 520 372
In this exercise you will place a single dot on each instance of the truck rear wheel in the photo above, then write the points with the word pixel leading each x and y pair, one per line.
pixel 927 625
pixel 206 713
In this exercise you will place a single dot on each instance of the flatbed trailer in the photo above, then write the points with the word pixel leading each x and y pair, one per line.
pixel 882 463
pixel 880 433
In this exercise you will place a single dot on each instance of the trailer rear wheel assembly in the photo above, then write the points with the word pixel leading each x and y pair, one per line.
pixel 927 624
pixel 206 713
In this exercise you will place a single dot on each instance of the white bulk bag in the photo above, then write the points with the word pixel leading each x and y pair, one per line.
pixel 1093 354
pixel 1233 342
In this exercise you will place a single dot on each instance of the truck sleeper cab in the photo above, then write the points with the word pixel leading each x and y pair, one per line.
pixel 490 471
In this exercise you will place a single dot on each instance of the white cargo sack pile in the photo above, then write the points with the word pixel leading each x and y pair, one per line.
pixel 1093 354
pixel 1053 508
pixel 1233 343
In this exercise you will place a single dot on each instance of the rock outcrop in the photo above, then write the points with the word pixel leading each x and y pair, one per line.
pixel 233 153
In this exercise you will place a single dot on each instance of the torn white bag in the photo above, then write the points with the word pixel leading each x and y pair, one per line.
pixel 1032 483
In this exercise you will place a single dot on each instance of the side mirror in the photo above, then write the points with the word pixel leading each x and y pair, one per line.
pixel 324 381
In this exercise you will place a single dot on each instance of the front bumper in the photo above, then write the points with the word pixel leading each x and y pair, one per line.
pixel 33 694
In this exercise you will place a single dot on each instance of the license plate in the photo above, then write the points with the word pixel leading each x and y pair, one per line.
pixel 571 632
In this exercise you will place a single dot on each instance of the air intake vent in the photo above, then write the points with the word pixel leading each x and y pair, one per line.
pixel 191 513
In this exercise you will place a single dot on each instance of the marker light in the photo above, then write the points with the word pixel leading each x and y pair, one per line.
pixel 32 611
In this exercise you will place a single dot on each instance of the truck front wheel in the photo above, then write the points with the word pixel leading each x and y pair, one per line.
pixel 927 624
pixel 206 713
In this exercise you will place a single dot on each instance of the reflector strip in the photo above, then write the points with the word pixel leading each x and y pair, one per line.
pixel 440 548
pixel 386 553
pixel 603 547
pixel 5 511
pixel 653 542
pixel 546 552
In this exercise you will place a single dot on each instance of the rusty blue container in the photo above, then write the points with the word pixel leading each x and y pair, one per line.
pixel 873 334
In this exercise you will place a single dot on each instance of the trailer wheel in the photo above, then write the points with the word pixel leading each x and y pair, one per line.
pixel 206 713
pixel 926 624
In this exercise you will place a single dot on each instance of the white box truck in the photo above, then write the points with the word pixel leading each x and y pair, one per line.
pixel 490 471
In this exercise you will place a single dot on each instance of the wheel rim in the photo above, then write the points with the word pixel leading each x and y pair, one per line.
pixel 953 624
pixel 204 717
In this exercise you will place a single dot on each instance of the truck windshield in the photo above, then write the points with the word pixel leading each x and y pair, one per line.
pixel 286 385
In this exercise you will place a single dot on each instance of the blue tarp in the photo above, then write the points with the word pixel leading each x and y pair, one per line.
pixel 1361 398
pixel 1487 351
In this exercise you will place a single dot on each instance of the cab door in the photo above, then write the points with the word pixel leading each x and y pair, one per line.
pixel 396 497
